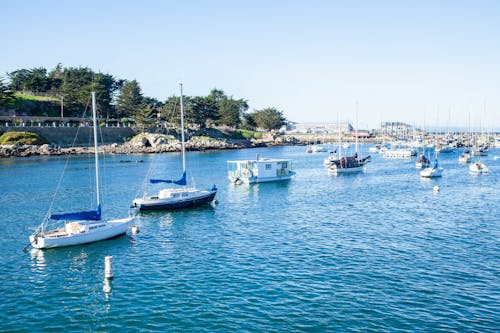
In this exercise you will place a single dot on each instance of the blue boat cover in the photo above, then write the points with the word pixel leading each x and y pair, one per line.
pixel 180 181
pixel 94 215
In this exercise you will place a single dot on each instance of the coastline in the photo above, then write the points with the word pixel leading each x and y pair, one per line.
pixel 141 147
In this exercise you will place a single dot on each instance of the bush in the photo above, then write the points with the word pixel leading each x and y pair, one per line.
pixel 247 134
pixel 22 138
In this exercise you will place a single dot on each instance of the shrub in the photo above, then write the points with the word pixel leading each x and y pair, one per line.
pixel 22 138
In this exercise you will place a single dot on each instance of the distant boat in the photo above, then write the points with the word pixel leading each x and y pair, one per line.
pixel 84 226
pixel 445 149
pixel 400 152
pixel 422 162
pixel 432 172
pixel 478 167
pixel 318 149
pixel 174 198
pixel 259 170
pixel 465 157
pixel 349 164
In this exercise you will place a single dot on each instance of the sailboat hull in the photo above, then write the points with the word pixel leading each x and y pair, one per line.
pixel 92 231
pixel 155 203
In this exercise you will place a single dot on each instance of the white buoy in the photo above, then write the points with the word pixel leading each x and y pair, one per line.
pixel 436 188
pixel 107 286
pixel 108 273
pixel 135 230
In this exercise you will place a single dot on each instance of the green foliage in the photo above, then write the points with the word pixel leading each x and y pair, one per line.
pixel 200 111
pixel 26 97
pixel 247 134
pixel 130 99
pixel 120 99
pixel 268 118
pixel 6 94
pixel 22 138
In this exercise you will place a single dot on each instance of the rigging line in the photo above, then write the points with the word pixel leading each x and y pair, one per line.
pixel 150 168
pixel 58 187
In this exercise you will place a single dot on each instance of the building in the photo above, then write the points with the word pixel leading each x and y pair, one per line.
pixel 396 129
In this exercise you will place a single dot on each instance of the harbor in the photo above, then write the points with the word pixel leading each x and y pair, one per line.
pixel 375 245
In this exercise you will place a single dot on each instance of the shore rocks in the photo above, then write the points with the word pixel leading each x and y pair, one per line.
pixel 146 143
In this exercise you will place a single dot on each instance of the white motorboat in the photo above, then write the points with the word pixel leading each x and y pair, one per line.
pixel 478 167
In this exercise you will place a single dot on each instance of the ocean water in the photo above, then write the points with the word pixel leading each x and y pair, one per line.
pixel 373 252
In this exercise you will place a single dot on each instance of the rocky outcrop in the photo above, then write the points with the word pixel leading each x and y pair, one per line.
pixel 148 143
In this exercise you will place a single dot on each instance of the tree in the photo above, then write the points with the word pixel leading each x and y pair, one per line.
pixel 231 111
pixel 200 110
pixel 130 99
pixel 30 80
pixel 248 122
pixel 6 94
pixel 268 118
pixel 105 87
pixel 18 79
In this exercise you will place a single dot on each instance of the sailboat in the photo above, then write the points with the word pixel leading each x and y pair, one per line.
pixel 422 161
pixel 350 164
pixel 432 172
pixel 174 198
pixel 80 227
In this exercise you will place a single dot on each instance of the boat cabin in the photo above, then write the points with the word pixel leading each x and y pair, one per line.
pixel 260 170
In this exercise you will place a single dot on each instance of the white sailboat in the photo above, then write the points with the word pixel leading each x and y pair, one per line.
pixel 422 161
pixel 80 227
pixel 174 198
pixel 432 172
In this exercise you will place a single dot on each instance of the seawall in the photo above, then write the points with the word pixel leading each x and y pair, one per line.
pixel 81 136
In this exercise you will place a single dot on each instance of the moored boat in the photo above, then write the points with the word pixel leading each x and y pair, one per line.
pixel 259 170
pixel 84 226
pixel 174 198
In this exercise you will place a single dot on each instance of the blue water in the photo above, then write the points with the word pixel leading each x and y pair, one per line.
pixel 373 252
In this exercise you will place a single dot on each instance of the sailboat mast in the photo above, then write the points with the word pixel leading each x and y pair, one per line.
pixel 96 153
pixel 183 144
pixel 357 129
pixel 339 137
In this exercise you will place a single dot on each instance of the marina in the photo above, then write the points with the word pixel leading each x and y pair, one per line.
pixel 334 247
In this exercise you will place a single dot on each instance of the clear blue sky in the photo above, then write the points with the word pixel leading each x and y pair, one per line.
pixel 311 59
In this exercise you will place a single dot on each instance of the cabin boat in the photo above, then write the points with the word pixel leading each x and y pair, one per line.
pixel 259 170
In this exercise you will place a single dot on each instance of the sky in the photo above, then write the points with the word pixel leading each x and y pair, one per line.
pixel 430 63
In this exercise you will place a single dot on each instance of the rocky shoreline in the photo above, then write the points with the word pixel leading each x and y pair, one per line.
pixel 147 144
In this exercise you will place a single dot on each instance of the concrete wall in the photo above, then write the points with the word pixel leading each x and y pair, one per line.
pixel 64 136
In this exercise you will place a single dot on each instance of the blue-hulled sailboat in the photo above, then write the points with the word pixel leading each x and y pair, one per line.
pixel 180 197
pixel 80 227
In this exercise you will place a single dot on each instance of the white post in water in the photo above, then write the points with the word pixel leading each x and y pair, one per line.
pixel 108 273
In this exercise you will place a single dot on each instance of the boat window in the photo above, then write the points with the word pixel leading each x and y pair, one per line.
pixel 175 195
pixel 184 194
pixel 268 166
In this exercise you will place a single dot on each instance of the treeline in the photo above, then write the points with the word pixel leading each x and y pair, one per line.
pixel 119 99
